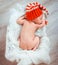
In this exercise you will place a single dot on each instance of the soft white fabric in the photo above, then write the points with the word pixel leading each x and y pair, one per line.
pixel 25 57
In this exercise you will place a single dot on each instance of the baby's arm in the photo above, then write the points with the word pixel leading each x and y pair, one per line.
pixel 20 20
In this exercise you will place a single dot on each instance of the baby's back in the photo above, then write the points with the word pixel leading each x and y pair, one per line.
pixel 27 33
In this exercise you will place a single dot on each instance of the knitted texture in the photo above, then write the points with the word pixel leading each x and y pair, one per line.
pixel 34 10
pixel 31 15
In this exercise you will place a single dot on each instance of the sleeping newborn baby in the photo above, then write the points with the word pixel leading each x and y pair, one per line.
pixel 27 39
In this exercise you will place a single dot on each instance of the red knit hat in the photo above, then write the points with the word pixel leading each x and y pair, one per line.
pixel 34 10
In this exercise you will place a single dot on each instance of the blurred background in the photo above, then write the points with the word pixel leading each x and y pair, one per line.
pixel 52 28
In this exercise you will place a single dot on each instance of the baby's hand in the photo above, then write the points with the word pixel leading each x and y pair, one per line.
pixel 21 20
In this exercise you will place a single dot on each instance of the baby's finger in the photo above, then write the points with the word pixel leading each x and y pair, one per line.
pixel 20 18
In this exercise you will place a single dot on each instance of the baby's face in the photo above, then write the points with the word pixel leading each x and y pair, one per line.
pixel 38 20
